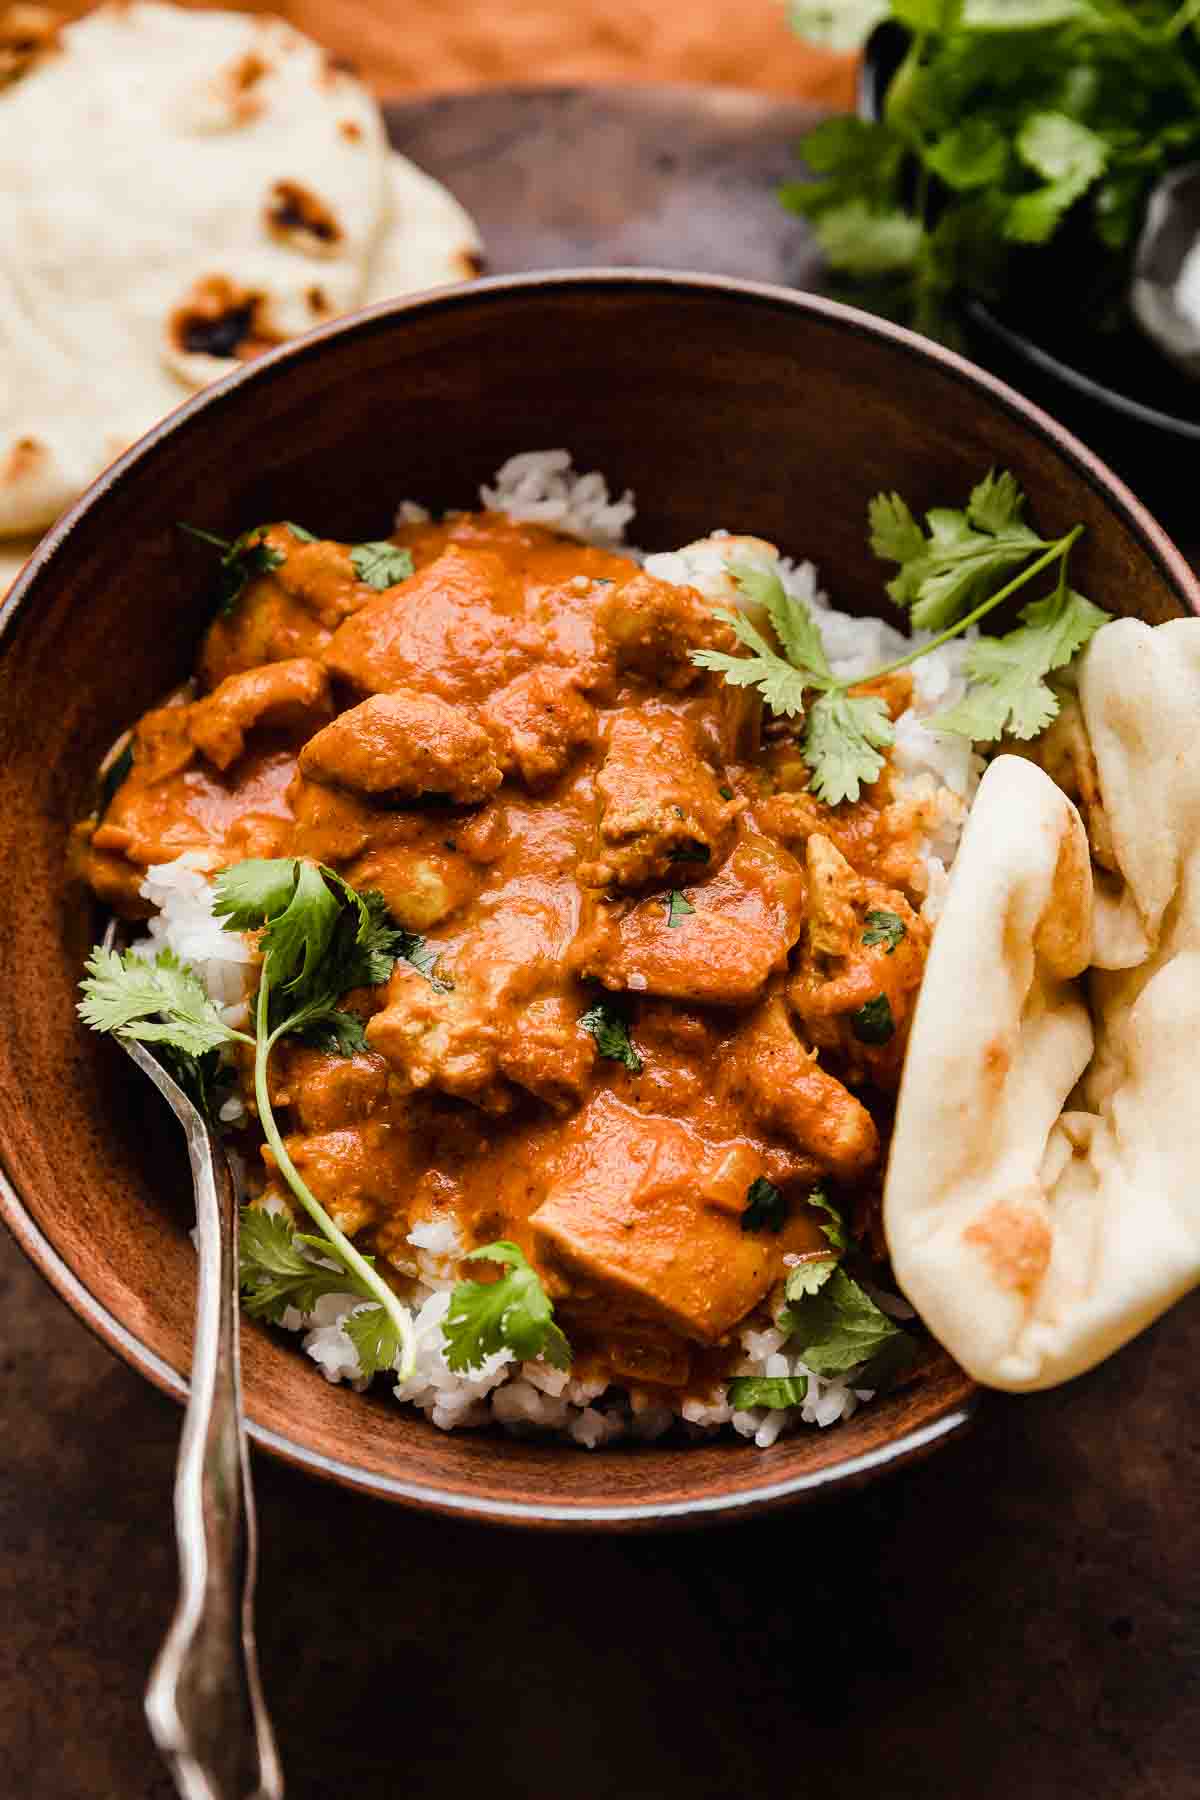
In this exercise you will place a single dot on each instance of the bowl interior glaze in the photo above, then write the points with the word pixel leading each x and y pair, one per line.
pixel 720 404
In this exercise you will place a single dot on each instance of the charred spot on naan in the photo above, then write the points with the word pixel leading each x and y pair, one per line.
pixel 27 34
pixel 1016 1242
pixel 218 318
pixel 302 220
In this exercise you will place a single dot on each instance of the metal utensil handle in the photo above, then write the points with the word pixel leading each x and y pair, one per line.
pixel 204 1701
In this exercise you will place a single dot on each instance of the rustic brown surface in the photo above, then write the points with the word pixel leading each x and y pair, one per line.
pixel 407 46
pixel 1019 1615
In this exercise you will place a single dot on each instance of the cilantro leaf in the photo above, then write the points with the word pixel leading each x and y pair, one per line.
pixel 765 1209
pixel 843 740
pixel 1069 156
pixel 782 686
pixel 886 928
pixel 512 1313
pixel 251 892
pixel 791 621
pixel 608 1025
pixel 375 1338
pixel 413 949
pixel 835 1231
pixel 381 565
pixel 278 1267
pixel 336 1031
pixel 1009 691
pixel 809 1275
pixel 971 155
pixel 747 1391
pixel 837 24
pixel 242 560
pixel 298 531
pixel 840 1328
pixel 873 1022
pixel 678 907
pixel 161 1001
pixel 864 240
pixel 943 575
pixel 895 534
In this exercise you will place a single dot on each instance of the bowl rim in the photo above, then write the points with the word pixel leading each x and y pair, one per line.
pixel 764 1494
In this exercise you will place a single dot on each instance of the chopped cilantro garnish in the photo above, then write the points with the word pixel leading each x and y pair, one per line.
pixel 678 907
pixel 381 565
pixel 873 1023
pixel 747 1391
pixel 886 928
pixel 609 1026
pixel 766 1209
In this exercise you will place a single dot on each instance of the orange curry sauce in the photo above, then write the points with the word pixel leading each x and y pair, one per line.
pixel 515 748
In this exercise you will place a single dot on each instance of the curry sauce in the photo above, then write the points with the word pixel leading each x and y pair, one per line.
pixel 514 747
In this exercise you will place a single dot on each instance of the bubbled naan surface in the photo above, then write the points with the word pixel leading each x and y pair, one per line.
pixel 160 168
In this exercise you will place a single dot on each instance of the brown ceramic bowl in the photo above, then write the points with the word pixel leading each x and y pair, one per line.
pixel 720 404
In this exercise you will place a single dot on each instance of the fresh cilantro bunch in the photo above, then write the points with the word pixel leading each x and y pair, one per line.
pixel 1008 123
pixel 319 938
pixel 511 1313
pixel 947 579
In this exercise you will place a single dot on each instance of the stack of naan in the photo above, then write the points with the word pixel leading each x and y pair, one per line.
pixel 178 191
pixel 1043 1195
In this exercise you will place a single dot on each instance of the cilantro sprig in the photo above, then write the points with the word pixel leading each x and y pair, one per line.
pixel 839 1328
pixel 280 1267
pixel 319 938
pixel 511 1313
pixel 947 577
pixel 1010 125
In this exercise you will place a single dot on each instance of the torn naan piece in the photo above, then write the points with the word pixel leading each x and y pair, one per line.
pixel 1000 1037
pixel 981 1154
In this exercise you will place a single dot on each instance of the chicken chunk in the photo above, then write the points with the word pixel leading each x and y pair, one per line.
pixel 499 1025
pixel 423 886
pixel 716 943
pixel 453 629
pixel 284 696
pixel 538 721
pixel 856 981
pixel 661 804
pixel 440 1038
pixel 655 626
pixel 326 1092
pixel 624 1217
pixel 291 610
pixel 780 1083
pixel 356 1171
pixel 405 745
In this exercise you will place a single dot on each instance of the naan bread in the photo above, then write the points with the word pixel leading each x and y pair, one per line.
pixel 1041 1203
pixel 178 191
pixel 431 240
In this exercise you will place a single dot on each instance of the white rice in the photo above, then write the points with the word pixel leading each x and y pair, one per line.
pixel 940 772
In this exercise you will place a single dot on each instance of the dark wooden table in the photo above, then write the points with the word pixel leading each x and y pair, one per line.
pixel 1018 1617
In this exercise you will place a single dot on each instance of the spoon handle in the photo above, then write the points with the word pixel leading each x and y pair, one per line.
pixel 204 1701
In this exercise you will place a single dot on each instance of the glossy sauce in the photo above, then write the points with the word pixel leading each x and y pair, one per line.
pixel 515 748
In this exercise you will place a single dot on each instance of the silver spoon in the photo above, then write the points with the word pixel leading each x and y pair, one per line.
pixel 1170 229
pixel 204 1701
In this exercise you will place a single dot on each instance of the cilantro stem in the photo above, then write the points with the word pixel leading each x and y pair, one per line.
pixel 1180 20
pixel 264 1044
pixel 205 537
pixel 1058 549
